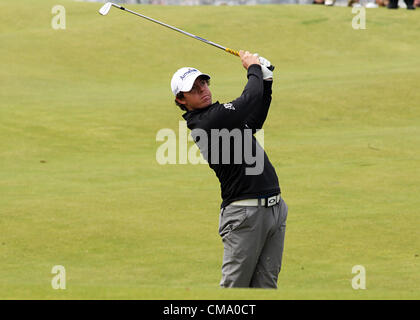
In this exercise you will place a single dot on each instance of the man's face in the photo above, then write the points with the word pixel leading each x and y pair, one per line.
pixel 198 97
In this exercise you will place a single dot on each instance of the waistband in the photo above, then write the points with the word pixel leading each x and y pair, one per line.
pixel 266 202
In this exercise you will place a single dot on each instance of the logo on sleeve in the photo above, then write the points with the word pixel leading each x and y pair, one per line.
pixel 229 106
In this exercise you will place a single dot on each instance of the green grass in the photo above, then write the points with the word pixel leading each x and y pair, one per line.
pixel 80 185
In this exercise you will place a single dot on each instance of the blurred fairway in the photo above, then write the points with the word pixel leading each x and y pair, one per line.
pixel 80 185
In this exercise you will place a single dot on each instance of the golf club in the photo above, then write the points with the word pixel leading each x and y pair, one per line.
pixel 104 10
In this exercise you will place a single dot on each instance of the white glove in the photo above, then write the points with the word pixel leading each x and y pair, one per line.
pixel 267 74
pixel 264 61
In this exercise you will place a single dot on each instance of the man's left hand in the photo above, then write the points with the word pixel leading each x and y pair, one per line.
pixel 267 74
pixel 264 61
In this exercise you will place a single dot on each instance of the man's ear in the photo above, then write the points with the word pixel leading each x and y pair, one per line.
pixel 181 100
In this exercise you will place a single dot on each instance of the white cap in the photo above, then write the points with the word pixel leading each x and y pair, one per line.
pixel 183 79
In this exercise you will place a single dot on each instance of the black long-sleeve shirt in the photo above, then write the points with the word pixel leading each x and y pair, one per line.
pixel 239 177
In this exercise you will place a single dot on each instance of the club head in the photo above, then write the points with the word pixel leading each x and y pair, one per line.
pixel 105 8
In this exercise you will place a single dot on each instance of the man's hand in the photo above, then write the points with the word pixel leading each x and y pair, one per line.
pixel 263 61
pixel 267 73
pixel 248 59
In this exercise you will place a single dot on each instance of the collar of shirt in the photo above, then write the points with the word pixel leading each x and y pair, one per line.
pixel 192 112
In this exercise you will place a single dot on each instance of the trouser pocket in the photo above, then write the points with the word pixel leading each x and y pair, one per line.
pixel 231 218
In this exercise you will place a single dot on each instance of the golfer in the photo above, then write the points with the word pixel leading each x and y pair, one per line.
pixel 253 214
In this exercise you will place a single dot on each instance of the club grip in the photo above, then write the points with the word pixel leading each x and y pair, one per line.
pixel 234 52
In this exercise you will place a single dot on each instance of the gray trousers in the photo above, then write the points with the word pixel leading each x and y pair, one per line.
pixel 253 241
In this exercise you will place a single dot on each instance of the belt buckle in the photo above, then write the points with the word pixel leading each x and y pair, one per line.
pixel 270 201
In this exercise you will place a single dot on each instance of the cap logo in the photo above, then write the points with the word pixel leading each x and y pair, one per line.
pixel 187 73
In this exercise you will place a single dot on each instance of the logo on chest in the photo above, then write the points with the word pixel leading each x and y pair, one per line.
pixel 229 106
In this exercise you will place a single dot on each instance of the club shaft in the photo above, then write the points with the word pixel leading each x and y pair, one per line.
pixel 234 52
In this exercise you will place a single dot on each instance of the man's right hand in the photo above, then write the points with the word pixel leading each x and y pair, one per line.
pixel 248 59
